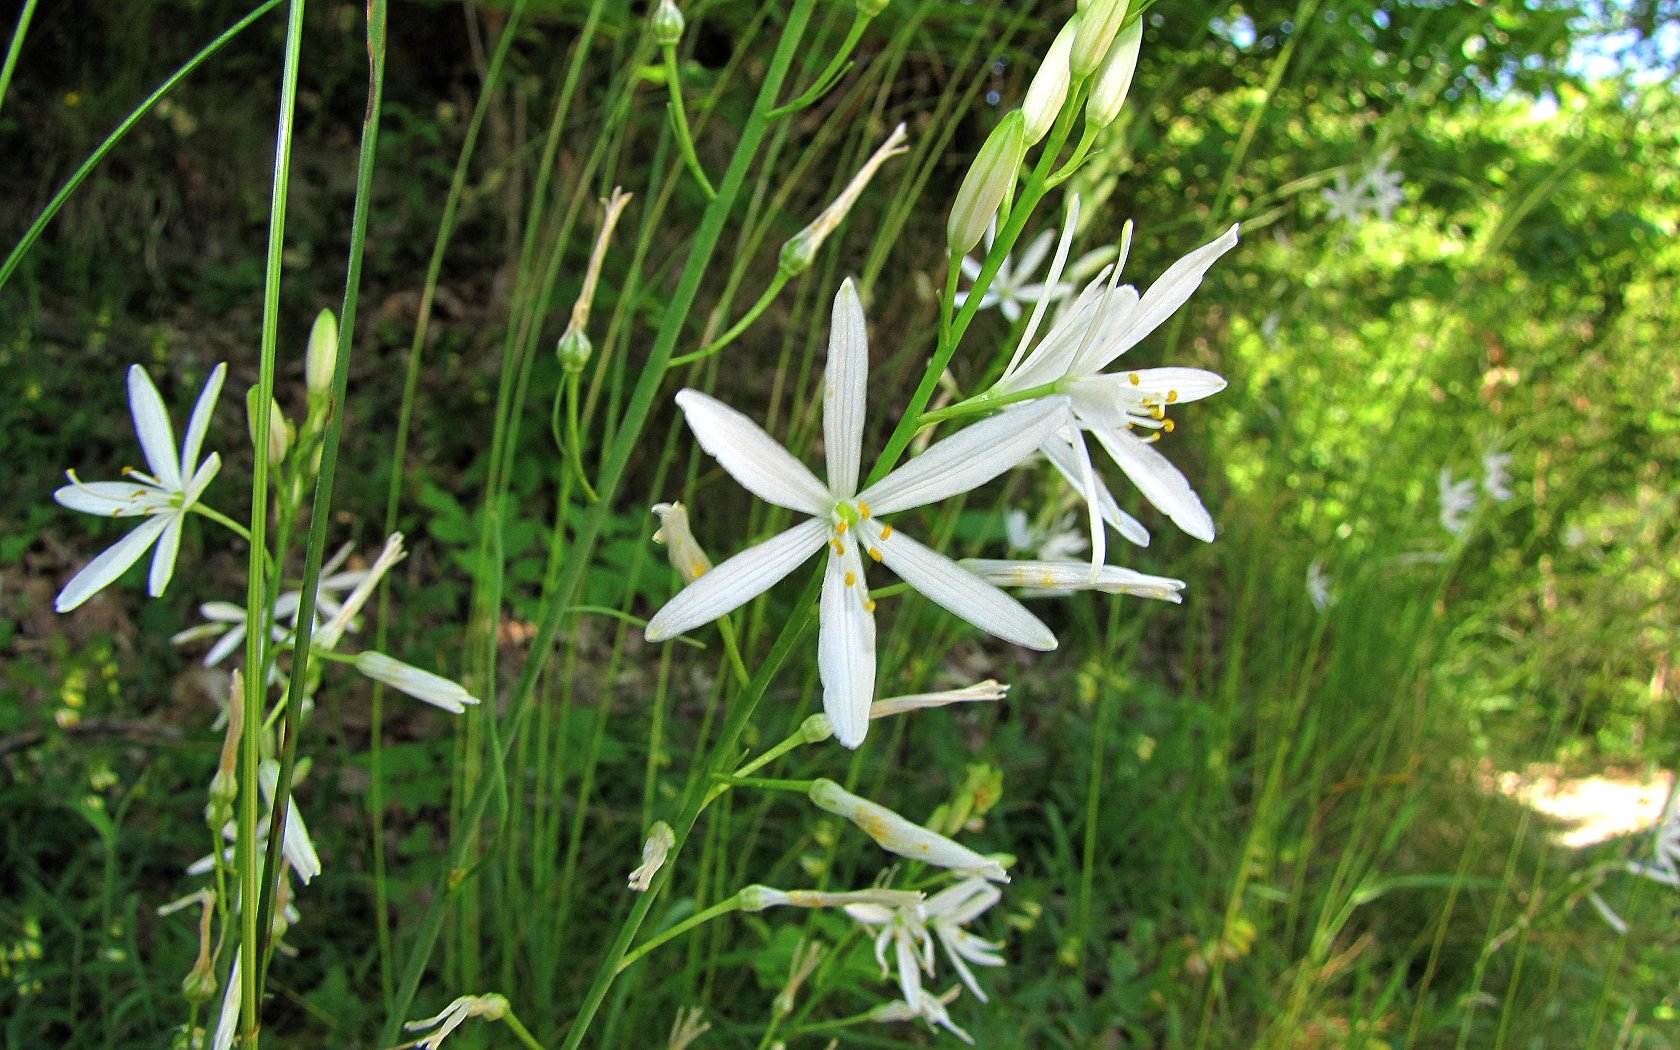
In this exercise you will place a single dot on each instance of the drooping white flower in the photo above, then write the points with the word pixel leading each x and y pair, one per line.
pixel 896 834
pixel 1064 577
pixel 163 497
pixel 847 521
pixel 490 1007
pixel 225 621
pixel 660 839
pixel 1318 585
pixel 928 1007
pixel 1458 501
pixel 979 692
pixel 297 846
pixel 1496 475
pixel 1103 323
pixel 422 685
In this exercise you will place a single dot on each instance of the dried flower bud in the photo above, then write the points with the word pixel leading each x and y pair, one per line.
pixel 982 189
pixel 1099 24
pixel 801 249
pixel 667 23
pixel 1049 86
pixel 199 985
pixel 681 547
pixel 322 358
pixel 1114 77
pixel 895 834
pixel 654 851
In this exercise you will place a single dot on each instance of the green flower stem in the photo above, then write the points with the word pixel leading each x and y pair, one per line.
pixel 613 465
pixel 520 1032
pixel 723 907
pixel 574 441
pixel 256 588
pixel 791 741
pixel 981 404
pixel 798 787
pixel 776 285
pixel 679 120
pixel 836 68
pixel 16 47
pixel 77 177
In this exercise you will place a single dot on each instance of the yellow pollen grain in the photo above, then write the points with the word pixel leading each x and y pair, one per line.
pixel 869 606
pixel 875 552
pixel 1134 378
pixel 886 530
pixel 840 529
pixel 1172 395
pixel 851 578
pixel 863 508
pixel 839 548
pixel 1167 425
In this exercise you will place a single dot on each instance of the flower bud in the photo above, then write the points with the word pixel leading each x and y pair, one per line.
pixel 279 431
pixel 816 729
pixel 199 985
pixel 1049 86
pixel 1099 24
pixel 982 189
pixel 322 358
pixel 573 350
pixel 895 834
pixel 1114 77
pixel 667 23
pixel 871 8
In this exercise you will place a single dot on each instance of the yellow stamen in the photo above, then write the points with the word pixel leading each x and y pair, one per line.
pixel 1151 439
pixel 1167 425
pixel 1172 395
pixel 1134 378
pixel 886 530
pixel 851 578
pixel 1157 412
pixel 840 529
pixel 839 549
pixel 863 508
pixel 869 606
pixel 875 552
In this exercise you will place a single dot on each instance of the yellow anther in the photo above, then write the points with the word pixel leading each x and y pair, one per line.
pixel 700 570
pixel 875 552
pixel 851 578
pixel 886 530
pixel 863 508
pixel 1151 439
pixel 839 548
pixel 1157 411
pixel 869 606
pixel 1134 378
pixel 1167 425
pixel 1172 395
pixel 840 529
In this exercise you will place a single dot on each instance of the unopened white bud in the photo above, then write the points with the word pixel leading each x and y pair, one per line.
pixel 681 547
pixel 322 358
pixel 1049 86
pixel 1099 24
pixel 895 834
pixel 667 23
pixel 654 851
pixel 982 189
pixel 422 685
pixel 279 431
pixel 1114 77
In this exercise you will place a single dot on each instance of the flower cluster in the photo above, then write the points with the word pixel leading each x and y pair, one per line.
pixel 1377 192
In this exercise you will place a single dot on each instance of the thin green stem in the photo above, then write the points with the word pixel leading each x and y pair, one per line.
pixel 723 907
pixel 80 175
pixel 16 47
pixel 831 73
pixel 679 120
pixel 520 1032
pixel 574 439
pixel 776 285
pixel 981 404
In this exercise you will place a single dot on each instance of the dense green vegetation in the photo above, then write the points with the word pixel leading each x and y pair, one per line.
pixel 1243 820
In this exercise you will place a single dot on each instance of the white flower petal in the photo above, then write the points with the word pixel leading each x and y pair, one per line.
pixel 751 456
pixel 297 845
pixel 906 838
pixel 1160 385
pixel 909 974
pixel 970 267
pixel 958 591
pixel 225 646
pixel 163 558
pixel 846 647
pixel 1059 450
pixel 201 479
pixel 738 580
pixel 421 685
pixel 1077 328
pixel 1033 257
pixel 1161 483
pixel 1163 298
pixel 1075 576
pixel 111 499
pixel 151 423
pixel 111 563
pixel 193 440
pixel 844 387
pixel 967 459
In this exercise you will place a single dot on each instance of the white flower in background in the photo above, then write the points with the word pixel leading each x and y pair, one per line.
pixel 654 851
pixel 1318 585
pixel 298 847
pixel 339 622
pixel 1102 324
pixel 1346 201
pixel 1045 578
pixel 948 911
pixel 1458 501
pixel 489 1007
pixel 1496 475
pixel 1059 542
pixel 1381 185
pixel 895 834
pixel 163 497
pixel 1664 865
pixel 422 685
pixel 1013 286
pixel 225 621
pixel 979 692
pixel 910 930
pixel 928 1007
pixel 848 523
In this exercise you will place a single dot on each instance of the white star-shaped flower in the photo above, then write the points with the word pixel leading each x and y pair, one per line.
pixel 911 929
pixel 1347 201
pixel 1458 500
pixel 1496 475
pixel 848 522
pixel 1013 286
pixel 163 497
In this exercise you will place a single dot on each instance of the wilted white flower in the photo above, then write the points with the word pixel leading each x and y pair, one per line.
pixel 654 851
pixel 801 249
pixel 1063 577
pixel 895 834
pixel 225 621
pixel 1458 501
pixel 1318 585
pixel 490 1007
pixel 1496 477
pixel 681 547
pixel 163 497
pixel 758 898
pixel 981 692
pixel 928 1007
pixel 848 523
pixel 422 685
pixel 911 930
pixel 333 630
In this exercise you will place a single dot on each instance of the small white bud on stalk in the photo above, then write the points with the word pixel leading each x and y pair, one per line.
pixel 895 834
pixel 681 547
pixel 801 249
pixel 1049 86
pixel 654 851
pixel 1114 77
pixel 322 358
pixel 668 23
pixel 422 685
pixel 279 431
pixel 758 898
pixel 982 189
pixel 1099 24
